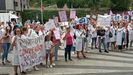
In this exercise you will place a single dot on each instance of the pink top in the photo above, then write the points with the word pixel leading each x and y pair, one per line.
pixel 68 39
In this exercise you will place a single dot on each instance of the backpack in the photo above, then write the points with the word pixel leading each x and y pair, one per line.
pixel 110 35
pixel 74 36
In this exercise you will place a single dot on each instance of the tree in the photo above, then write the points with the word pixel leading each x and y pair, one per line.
pixel 60 3
pixel 120 5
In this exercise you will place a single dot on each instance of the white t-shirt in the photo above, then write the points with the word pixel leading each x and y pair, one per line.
pixel 93 32
pixel 32 33
pixel 48 45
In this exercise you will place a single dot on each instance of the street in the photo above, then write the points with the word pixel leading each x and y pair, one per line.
pixel 113 63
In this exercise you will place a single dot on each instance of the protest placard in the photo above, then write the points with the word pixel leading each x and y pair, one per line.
pixel 63 16
pixel 31 52
pixel 50 24
pixel 56 20
pixel 72 14
pixel 117 17
pixel 83 20
pixel 57 33
pixel 104 20
pixel 126 18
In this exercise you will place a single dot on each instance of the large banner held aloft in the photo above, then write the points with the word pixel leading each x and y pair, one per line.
pixel 63 16
pixel 104 20
pixel 31 52
pixel 72 14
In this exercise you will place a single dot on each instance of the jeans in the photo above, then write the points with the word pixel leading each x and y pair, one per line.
pixel 93 42
pixel 131 43
pixel 5 47
pixel 107 45
pixel 73 49
pixel 68 52
pixel 56 52
pixel 102 42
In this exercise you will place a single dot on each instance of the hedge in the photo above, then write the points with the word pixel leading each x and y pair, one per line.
pixel 47 14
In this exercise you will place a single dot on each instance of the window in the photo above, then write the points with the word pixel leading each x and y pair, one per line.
pixel 16 3
pixel 24 6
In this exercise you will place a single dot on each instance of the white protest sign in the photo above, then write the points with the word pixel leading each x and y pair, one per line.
pixel 64 24
pixel 31 52
pixel 63 16
pixel 104 20
pixel 72 14
pixel 50 24
pixel 130 13
pixel 56 20
pixel 57 33
pixel 88 16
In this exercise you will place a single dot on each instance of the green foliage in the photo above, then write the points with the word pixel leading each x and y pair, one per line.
pixel 120 5
pixel 28 14
pixel 60 3
pixel 115 5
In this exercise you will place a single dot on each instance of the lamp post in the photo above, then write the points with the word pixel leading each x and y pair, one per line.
pixel 42 11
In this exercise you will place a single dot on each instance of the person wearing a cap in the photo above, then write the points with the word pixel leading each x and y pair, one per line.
pixel 101 38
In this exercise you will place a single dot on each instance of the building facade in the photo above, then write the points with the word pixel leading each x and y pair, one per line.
pixel 13 5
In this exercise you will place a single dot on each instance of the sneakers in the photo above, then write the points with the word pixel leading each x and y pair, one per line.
pixel 23 73
pixel 53 64
pixel 3 63
pixel 70 59
pixel 49 66
pixel 106 51
pixel 36 68
pixel 16 74
pixel 29 70
pixel 7 61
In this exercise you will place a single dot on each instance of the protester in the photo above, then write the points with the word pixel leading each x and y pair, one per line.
pixel 119 37
pixel 101 39
pixel 76 37
pixel 6 41
pixel 130 27
pixel 49 51
pixel 15 61
pixel 69 43
pixel 79 41
pixel 113 38
pixel 93 36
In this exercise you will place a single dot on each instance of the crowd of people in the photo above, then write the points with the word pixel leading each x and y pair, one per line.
pixel 75 37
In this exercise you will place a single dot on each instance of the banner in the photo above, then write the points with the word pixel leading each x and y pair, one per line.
pixel 72 14
pixel 31 52
pixel 104 20
pixel 63 16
